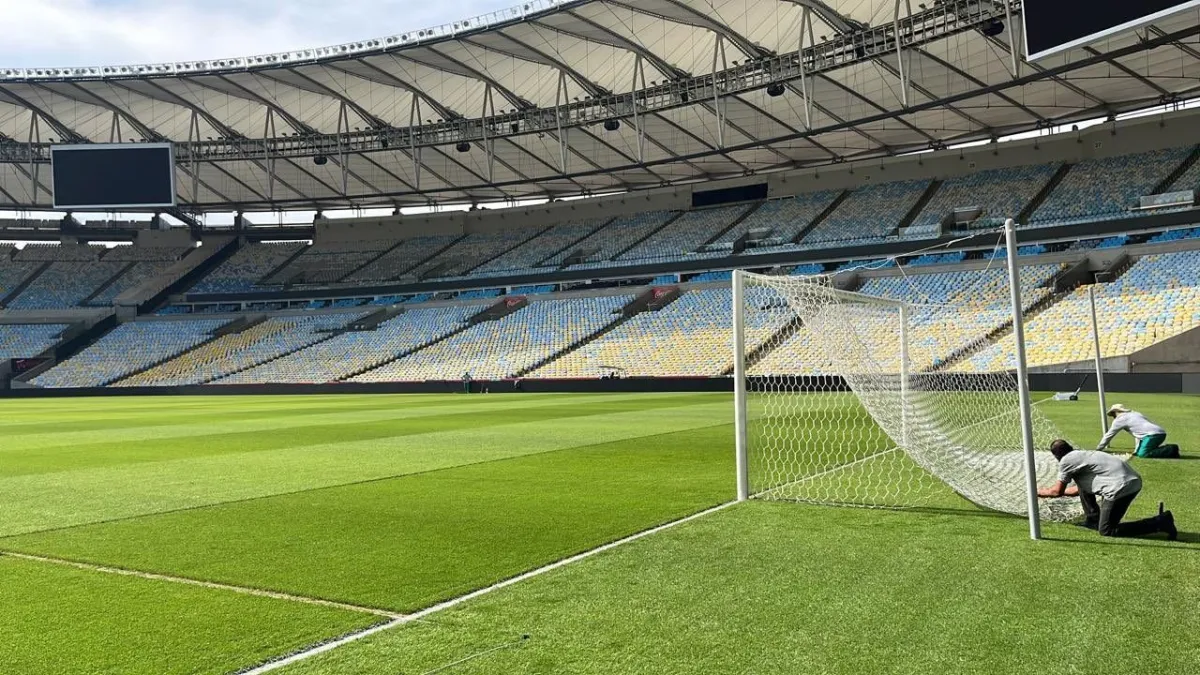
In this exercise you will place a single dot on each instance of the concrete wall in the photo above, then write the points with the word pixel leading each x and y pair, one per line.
pixel 1180 354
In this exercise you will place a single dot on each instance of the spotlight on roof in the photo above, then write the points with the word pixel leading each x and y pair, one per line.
pixel 993 28
pixel 612 125
pixel 775 89
pixel 463 146
pixel 320 160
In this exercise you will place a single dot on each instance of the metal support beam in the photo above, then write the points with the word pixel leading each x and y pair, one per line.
pixel 560 97
pixel 720 64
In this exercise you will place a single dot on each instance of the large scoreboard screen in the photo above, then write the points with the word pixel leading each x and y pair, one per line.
pixel 1054 26
pixel 113 177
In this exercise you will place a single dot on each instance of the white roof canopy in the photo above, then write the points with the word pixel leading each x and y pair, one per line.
pixel 701 89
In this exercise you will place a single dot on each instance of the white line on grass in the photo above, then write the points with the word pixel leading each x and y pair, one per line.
pixel 453 602
pixel 244 590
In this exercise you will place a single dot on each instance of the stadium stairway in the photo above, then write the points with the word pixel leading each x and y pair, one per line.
pixel 1062 283
pixel 26 283
pixel 213 337
pixel 821 217
pixel 655 231
pixel 918 208
pixel 1043 194
pixel 571 247
pixel 649 300
pixel 270 277
pixel 179 277
pixel 386 251
pixel 409 352
pixel 1179 171
pixel 111 280
pixel 779 338
pixel 736 221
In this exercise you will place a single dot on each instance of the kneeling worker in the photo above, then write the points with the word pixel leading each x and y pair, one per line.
pixel 1099 474
pixel 1149 436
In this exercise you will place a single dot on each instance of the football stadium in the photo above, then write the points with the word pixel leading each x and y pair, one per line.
pixel 599 337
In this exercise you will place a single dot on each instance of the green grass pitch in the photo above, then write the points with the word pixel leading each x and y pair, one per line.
pixel 398 502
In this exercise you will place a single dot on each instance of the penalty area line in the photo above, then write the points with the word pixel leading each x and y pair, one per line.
pixel 454 602
pixel 244 590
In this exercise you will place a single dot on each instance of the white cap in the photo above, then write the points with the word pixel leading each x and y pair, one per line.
pixel 1117 409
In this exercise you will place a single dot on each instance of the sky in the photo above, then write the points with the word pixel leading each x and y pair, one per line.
pixel 118 32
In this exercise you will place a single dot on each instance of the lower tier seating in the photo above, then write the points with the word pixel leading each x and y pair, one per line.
pixel 500 349
pixel 129 347
pixel 1157 298
pixel 357 351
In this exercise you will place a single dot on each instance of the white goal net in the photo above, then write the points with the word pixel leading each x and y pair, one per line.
pixel 853 399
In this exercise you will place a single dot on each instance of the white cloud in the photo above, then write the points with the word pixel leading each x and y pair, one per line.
pixel 110 32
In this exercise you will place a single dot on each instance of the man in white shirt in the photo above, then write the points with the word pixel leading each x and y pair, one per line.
pixel 1099 474
pixel 1148 435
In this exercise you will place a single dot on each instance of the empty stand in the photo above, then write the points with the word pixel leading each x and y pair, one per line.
pixel 688 338
pixel 870 212
pixel 356 351
pixel 21 341
pixel 1000 193
pixel 1099 188
pixel 243 270
pixel 128 348
pixel 503 348
pixel 686 234
pixel 614 238
pixel 550 242
pixel 1157 298
pixel 228 354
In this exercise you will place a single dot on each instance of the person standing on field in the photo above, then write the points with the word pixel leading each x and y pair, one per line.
pixel 1148 435
pixel 1106 486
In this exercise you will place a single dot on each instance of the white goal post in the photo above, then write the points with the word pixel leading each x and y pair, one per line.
pixel 857 399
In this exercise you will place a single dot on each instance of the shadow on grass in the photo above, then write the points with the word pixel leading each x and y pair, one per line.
pixel 1097 540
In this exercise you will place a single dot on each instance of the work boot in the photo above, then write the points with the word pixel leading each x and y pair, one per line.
pixel 1166 523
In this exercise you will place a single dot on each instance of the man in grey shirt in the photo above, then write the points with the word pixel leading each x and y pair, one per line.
pixel 1099 474
pixel 1149 436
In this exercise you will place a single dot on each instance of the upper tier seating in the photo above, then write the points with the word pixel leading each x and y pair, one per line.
pixel 66 284
pixel 238 351
pixel 617 235
pixel 1157 298
pixel 686 233
pixel 500 349
pixel 1188 180
pixel 149 263
pixel 41 252
pixel 1101 188
pixel 358 351
pixel 1001 193
pixel 22 341
pixel 786 218
pixel 870 212
pixel 127 348
pixel 13 273
pixel 541 247
pixel 325 263
pixel 399 262
pixel 472 251
pixel 953 310
pixel 688 338
pixel 247 266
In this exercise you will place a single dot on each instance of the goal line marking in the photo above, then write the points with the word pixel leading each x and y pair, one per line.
pixel 454 602
pixel 244 590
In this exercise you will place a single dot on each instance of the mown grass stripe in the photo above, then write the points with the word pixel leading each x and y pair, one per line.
pixel 43 501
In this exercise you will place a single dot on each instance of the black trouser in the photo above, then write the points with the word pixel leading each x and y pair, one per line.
pixel 1106 516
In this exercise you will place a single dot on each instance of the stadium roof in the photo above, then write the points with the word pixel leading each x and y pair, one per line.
pixel 514 104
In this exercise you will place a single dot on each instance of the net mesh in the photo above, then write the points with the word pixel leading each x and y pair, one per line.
pixel 851 401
